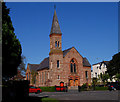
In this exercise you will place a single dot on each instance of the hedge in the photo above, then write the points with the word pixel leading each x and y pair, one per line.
pixel 48 89
pixel 101 88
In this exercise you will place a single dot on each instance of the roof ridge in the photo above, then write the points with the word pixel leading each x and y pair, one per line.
pixel 44 59
pixel 100 62
pixel 68 49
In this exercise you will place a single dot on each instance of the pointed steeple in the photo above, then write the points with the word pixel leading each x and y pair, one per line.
pixel 55 25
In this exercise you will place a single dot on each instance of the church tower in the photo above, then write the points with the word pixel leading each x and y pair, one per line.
pixel 56 53
pixel 55 36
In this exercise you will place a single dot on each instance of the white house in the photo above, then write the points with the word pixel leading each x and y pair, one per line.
pixel 98 68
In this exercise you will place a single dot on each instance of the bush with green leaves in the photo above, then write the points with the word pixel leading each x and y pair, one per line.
pixel 101 88
pixel 84 87
pixel 48 89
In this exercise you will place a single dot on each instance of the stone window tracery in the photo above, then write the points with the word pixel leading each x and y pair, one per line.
pixel 73 66
pixel 57 44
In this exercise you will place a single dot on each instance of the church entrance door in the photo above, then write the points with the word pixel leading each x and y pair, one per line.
pixel 71 82
pixel 76 82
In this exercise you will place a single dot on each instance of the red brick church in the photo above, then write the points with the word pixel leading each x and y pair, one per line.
pixel 66 66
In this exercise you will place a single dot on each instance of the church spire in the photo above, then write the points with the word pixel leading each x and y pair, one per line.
pixel 55 25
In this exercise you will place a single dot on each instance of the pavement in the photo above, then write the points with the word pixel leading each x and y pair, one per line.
pixel 83 95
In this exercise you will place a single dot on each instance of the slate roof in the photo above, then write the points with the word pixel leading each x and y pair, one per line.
pixel 86 62
pixel 55 25
pixel 33 66
pixel 105 62
pixel 44 64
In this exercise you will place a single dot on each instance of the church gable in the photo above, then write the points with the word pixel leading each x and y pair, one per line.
pixel 73 51
pixel 70 54
pixel 75 54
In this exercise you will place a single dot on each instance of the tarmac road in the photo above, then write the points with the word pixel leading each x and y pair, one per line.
pixel 84 95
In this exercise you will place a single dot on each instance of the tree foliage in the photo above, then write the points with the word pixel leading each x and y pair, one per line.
pixel 94 82
pixel 33 75
pixel 114 65
pixel 105 77
pixel 22 65
pixel 118 77
pixel 11 47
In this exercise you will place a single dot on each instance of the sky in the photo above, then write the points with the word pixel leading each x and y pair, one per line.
pixel 91 27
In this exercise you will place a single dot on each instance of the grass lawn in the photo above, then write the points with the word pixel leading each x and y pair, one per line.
pixel 49 100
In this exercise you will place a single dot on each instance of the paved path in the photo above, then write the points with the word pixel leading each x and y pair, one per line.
pixel 84 95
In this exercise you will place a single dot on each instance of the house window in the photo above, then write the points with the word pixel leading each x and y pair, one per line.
pixel 58 77
pixel 58 63
pixel 48 75
pixel 86 74
pixel 96 75
pixel 42 77
pixel 55 43
pixel 73 66
pixel 45 76
pixel 39 77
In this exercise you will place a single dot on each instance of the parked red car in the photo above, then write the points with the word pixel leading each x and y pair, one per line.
pixel 33 89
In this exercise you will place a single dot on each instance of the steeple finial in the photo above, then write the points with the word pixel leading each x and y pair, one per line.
pixel 55 25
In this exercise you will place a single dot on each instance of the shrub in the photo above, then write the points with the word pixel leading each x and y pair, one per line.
pixel 48 89
pixel 101 88
pixel 84 87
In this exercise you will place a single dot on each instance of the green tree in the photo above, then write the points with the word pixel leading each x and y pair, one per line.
pixel 105 78
pixel 22 65
pixel 33 75
pixel 94 82
pixel 114 65
pixel 117 76
pixel 11 47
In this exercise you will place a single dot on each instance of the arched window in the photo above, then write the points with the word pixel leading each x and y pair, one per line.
pixel 86 74
pixel 73 66
pixel 58 65
pixel 58 44
pixel 55 43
